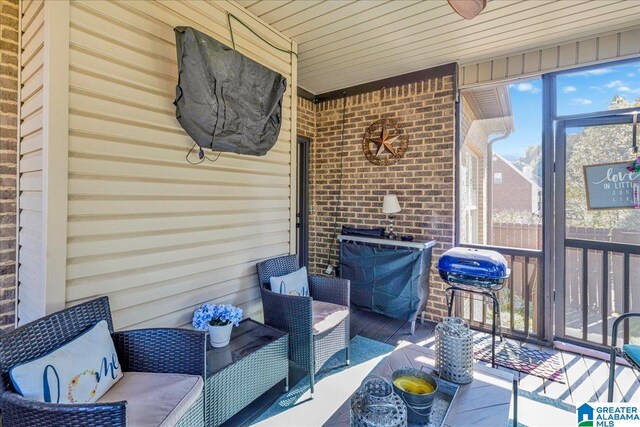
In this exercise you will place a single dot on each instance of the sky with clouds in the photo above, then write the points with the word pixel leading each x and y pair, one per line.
pixel 526 104
pixel 580 92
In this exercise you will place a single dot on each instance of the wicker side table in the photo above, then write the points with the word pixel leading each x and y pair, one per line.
pixel 255 360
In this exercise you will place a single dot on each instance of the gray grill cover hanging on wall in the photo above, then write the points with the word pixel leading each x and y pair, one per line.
pixel 224 100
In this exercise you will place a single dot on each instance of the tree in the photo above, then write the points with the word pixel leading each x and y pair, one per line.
pixel 594 145
pixel 533 159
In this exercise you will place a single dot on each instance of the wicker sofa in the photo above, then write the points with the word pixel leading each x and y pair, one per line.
pixel 133 399
pixel 312 339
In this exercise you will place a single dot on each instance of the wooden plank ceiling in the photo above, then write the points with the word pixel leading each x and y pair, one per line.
pixel 344 42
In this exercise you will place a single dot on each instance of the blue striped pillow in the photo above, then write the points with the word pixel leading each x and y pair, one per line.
pixel 296 283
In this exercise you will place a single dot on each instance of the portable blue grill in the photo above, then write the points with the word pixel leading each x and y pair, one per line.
pixel 476 271
pixel 474 268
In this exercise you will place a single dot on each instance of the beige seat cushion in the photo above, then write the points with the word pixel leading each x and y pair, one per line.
pixel 155 399
pixel 327 315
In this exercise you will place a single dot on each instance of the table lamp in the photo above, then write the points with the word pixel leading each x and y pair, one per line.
pixel 390 206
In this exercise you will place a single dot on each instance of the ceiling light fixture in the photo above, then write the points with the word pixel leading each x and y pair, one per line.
pixel 468 9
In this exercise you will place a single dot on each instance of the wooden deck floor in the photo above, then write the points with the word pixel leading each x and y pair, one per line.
pixel 585 377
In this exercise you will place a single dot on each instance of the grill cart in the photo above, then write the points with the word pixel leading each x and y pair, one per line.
pixel 475 271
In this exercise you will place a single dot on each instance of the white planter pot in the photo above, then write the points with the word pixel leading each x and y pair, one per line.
pixel 220 335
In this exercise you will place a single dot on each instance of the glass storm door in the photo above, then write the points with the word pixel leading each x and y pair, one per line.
pixel 597 238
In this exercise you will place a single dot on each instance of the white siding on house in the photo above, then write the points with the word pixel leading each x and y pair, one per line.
pixel 157 235
pixel 535 198
pixel 31 304
pixel 603 48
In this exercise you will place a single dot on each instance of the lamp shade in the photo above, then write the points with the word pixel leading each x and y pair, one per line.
pixel 390 204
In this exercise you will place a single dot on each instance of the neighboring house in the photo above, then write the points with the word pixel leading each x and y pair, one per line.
pixel 514 189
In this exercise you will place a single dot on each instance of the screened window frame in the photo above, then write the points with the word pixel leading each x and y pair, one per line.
pixel 549 117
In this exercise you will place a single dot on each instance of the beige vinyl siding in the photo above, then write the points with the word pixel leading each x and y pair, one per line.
pixel 157 235
pixel 31 304
pixel 603 48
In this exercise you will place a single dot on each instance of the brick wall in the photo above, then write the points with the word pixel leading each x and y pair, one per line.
pixel 306 121
pixel 8 144
pixel 423 180
pixel 474 138
pixel 306 127
pixel 515 192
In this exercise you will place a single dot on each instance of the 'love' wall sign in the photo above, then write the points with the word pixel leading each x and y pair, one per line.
pixel 610 185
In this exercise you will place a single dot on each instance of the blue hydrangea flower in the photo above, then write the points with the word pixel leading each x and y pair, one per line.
pixel 216 315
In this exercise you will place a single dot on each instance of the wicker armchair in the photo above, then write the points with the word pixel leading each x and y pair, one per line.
pixel 629 352
pixel 178 351
pixel 294 314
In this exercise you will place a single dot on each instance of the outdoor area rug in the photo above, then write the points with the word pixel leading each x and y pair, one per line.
pixel 331 385
pixel 519 358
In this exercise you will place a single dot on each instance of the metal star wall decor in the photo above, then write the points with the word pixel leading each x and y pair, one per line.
pixel 385 142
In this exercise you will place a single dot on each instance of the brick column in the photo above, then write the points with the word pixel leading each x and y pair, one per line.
pixel 8 147
pixel 423 179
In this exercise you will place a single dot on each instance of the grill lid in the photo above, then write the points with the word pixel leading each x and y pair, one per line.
pixel 479 263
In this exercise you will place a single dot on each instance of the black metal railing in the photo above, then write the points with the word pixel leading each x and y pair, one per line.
pixel 598 288
pixel 521 299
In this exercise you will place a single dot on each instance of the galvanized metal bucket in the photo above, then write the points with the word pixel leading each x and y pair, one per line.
pixel 418 405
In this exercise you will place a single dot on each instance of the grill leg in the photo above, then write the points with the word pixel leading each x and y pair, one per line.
pixel 450 301
pixel 495 297
pixel 493 334
pixel 413 327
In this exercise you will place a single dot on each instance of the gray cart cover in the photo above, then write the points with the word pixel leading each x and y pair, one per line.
pixel 224 100
pixel 388 280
